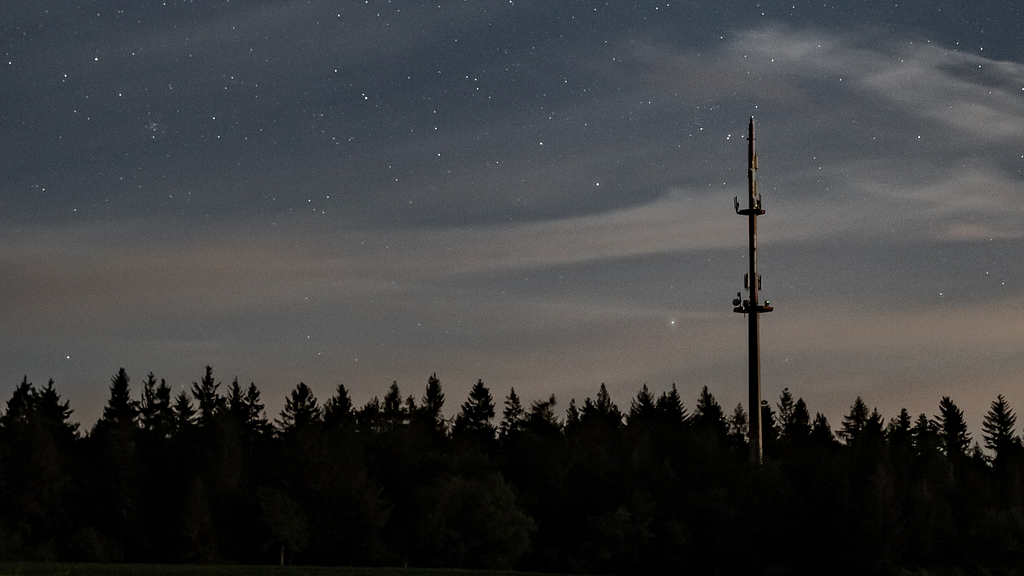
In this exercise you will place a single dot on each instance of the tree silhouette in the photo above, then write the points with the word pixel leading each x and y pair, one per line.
pixel 952 429
pixel 602 409
pixel 300 410
pixel 642 408
pixel 476 412
pixel 657 493
pixel 671 406
pixel 121 411
pixel 998 428
pixel 513 416
pixel 184 412
pixel 338 411
pixel 855 422
pixel 708 418
pixel 210 402
pixel 432 404
pixel 155 411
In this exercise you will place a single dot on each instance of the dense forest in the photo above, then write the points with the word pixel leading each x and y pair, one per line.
pixel 206 477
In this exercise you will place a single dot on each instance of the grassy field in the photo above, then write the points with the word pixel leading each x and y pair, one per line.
pixel 61 569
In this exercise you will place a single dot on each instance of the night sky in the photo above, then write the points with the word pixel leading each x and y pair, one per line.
pixel 536 193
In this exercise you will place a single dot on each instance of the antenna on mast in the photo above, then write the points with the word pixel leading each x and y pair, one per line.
pixel 751 308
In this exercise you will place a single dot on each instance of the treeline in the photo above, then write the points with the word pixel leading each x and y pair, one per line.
pixel 205 477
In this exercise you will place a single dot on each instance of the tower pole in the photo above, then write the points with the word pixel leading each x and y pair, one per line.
pixel 751 307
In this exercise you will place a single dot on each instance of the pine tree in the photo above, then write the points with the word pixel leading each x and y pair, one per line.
pixel 338 411
pixel 300 410
pixel 369 417
pixel 184 412
pixel 899 429
pixel 799 426
pixel 37 452
pixel 54 415
pixel 393 412
pixel 739 426
pixel 572 416
pixel 708 415
pixel 601 409
pixel 477 412
pixel 256 419
pixel 925 437
pixel 19 407
pixel 952 428
pixel 121 411
pixel 786 407
pixel 671 407
pixel 542 415
pixel 998 428
pixel 512 417
pixel 821 432
pixel 642 408
pixel 432 404
pixel 155 412
pixel 210 401
pixel 855 422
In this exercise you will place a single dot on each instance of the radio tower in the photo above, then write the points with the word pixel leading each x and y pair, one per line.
pixel 751 308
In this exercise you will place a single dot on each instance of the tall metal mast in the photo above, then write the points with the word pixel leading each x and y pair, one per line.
pixel 751 307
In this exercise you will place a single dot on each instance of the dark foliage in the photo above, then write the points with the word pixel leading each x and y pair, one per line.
pixel 206 478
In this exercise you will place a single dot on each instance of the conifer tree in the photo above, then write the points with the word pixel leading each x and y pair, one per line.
pixel 998 428
pixel 210 402
pixel 369 417
pixel 601 409
pixel 300 410
pixel 799 426
pixel 477 411
pixel 393 412
pixel 432 404
pixel 642 408
pixel 855 422
pixel 708 415
pixel 786 407
pixel 512 416
pixel 121 412
pixel 572 416
pixel 821 432
pixel 671 407
pixel 899 429
pixel 542 415
pixel 338 411
pixel 739 426
pixel 155 411
pixel 54 415
pixel 184 412
pixel 925 437
pixel 952 428
pixel 19 407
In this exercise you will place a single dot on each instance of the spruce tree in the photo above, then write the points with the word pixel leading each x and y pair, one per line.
pixel 121 411
pixel 708 416
pixel 952 429
pixel 856 421
pixel 184 412
pixel 477 411
pixel 300 410
pixel 998 428
pixel 210 402
pixel 671 407
pixel 338 411
pixel 156 414
pixel 432 404
pixel 642 408
pixel 512 416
